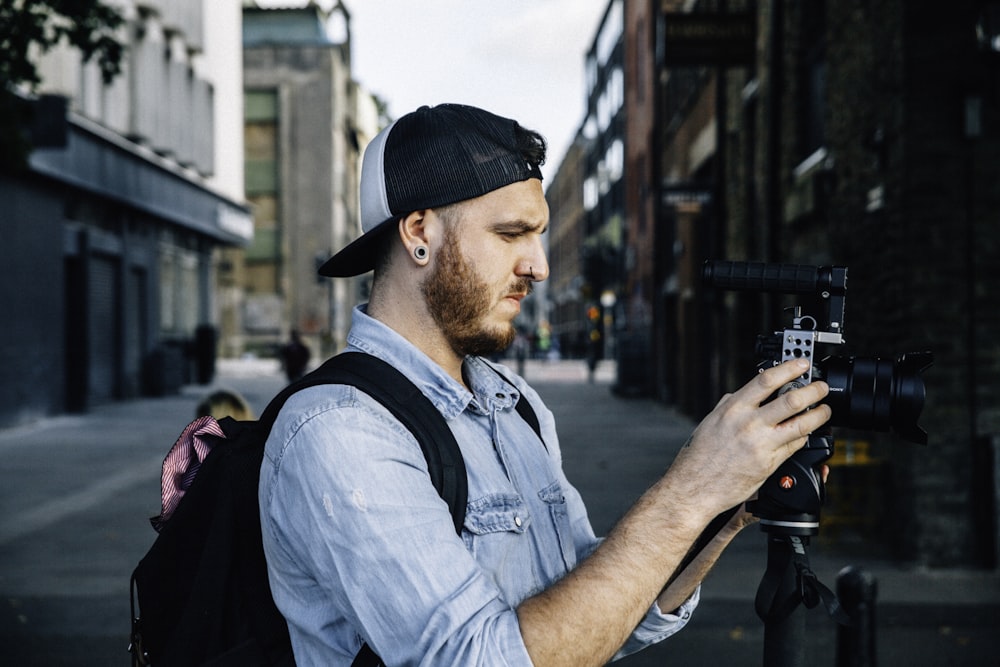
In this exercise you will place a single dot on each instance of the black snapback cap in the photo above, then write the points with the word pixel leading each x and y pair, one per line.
pixel 432 157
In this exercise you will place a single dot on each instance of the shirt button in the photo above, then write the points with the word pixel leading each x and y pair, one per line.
pixel 500 395
pixel 517 521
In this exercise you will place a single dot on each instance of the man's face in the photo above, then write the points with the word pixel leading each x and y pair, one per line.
pixel 482 270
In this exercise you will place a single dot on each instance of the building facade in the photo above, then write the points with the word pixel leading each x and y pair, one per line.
pixel 567 290
pixel 306 125
pixel 819 133
pixel 112 233
pixel 603 185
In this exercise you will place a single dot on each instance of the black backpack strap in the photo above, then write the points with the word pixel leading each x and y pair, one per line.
pixel 527 413
pixel 366 657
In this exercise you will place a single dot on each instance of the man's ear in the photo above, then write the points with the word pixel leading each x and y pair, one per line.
pixel 413 232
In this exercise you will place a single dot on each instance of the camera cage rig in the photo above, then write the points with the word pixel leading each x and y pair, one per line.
pixel 865 392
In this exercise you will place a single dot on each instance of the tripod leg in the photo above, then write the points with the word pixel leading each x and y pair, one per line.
pixel 784 633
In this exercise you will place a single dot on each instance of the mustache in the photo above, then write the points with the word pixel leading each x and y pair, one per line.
pixel 521 286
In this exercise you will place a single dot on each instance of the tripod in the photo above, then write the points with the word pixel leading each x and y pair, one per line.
pixel 788 507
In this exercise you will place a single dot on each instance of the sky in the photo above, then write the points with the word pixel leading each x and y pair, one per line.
pixel 519 58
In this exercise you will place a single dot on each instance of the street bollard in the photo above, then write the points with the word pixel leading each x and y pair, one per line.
pixel 857 590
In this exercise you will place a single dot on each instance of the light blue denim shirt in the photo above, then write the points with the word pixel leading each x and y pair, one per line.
pixel 360 547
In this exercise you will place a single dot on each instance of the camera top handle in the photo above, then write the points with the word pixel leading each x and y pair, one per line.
pixel 827 284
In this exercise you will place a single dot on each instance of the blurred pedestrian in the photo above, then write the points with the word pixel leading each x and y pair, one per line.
pixel 521 348
pixel 594 352
pixel 224 403
pixel 295 357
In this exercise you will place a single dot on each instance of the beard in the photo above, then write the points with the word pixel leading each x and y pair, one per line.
pixel 459 300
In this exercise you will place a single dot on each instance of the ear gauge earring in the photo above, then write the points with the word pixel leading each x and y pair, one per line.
pixel 420 252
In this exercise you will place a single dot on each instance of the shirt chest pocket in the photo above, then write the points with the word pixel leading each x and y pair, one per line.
pixel 496 534
pixel 510 542
pixel 495 514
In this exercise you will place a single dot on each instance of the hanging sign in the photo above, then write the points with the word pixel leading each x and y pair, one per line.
pixel 719 40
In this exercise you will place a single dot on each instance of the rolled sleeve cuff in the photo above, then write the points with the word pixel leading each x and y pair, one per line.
pixel 657 626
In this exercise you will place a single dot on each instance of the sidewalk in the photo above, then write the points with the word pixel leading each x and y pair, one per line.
pixel 76 493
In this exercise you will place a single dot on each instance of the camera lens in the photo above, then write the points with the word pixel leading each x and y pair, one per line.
pixel 877 394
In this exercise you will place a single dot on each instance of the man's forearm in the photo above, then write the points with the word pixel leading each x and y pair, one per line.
pixel 688 579
pixel 586 617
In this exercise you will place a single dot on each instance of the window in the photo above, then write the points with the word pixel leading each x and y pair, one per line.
pixel 610 32
pixel 262 176
pixel 812 78
pixel 590 193
pixel 614 160
pixel 261 142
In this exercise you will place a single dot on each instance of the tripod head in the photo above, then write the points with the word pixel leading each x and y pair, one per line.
pixel 790 501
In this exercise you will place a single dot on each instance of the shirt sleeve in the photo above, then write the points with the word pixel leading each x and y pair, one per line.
pixel 352 527
pixel 657 625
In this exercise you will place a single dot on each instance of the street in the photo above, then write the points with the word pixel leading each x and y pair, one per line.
pixel 77 491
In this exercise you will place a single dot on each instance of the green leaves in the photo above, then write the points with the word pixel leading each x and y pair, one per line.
pixel 29 29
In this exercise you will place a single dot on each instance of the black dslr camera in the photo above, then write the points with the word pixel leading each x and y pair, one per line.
pixel 868 393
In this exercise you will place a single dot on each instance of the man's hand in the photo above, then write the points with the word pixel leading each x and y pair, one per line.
pixel 744 439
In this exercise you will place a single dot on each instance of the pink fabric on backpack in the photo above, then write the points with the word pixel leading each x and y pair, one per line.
pixel 182 463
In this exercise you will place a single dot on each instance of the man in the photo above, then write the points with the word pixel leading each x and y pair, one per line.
pixel 294 356
pixel 361 548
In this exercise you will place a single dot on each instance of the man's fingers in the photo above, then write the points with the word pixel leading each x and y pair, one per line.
pixel 773 379
pixel 776 377
pixel 792 401
pixel 805 423
pixel 797 400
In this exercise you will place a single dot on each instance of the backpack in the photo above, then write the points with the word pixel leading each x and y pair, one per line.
pixel 202 588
